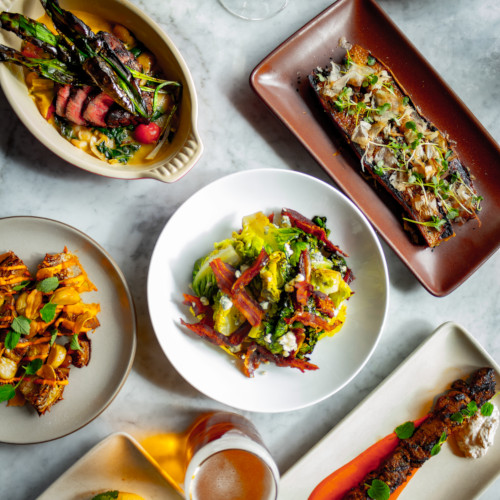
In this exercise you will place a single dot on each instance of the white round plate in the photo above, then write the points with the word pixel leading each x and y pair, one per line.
pixel 211 215
pixel 92 388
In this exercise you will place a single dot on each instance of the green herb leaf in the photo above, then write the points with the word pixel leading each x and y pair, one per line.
pixel 457 417
pixel 53 336
pixel 384 107
pixel 33 366
pixel 370 60
pixel 487 409
pixel 437 447
pixel 7 392
pixel 12 339
pixel 21 325
pixel 48 312
pixel 21 285
pixel 48 284
pixel 405 431
pixel 75 345
pixel 411 125
pixel 406 100
pixel 470 410
pixel 379 490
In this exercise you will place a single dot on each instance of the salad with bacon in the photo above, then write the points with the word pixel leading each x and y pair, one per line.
pixel 271 291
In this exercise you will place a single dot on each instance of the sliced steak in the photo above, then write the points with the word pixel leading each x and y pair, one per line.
pixel 63 93
pixel 76 101
pixel 118 117
pixel 96 109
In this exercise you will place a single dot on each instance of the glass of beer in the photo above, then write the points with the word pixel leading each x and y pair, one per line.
pixel 227 459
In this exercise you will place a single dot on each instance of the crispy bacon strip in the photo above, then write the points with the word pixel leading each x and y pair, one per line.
pixel 305 264
pixel 248 307
pixel 251 360
pixel 324 303
pixel 301 364
pixel 224 275
pixel 206 330
pixel 196 304
pixel 313 320
pixel 309 227
pixel 303 291
pixel 247 276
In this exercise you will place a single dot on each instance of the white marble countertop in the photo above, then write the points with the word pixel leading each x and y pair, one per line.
pixel 461 40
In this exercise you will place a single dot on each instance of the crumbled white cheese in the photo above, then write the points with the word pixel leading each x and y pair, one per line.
pixel 285 221
pixel 477 434
pixel 225 302
pixel 288 250
pixel 288 342
pixel 264 304
pixel 237 273
pixel 300 277
pixel 204 301
pixel 268 338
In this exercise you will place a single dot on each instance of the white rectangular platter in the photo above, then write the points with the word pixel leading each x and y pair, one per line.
pixel 450 353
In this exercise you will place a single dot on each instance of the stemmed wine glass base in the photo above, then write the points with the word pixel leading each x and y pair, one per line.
pixel 254 10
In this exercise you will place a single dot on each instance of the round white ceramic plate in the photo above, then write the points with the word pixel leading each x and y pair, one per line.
pixel 92 388
pixel 211 215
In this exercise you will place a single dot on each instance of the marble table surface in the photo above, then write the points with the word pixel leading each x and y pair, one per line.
pixel 461 40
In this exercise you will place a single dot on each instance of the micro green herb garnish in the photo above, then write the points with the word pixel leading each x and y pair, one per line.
pixel 469 411
pixel 53 336
pixel 435 222
pixel 75 345
pixel 21 324
pixel 379 490
pixel 8 391
pixel 48 284
pixel 405 431
pixel 487 409
pixel 371 61
pixel 437 447
pixel 21 285
pixel 48 312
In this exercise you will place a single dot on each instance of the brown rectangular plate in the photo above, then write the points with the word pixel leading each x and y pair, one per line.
pixel 281 82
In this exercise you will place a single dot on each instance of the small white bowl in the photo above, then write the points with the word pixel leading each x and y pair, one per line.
pixel 175 159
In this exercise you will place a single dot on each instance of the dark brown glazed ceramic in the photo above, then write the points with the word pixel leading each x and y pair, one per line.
pixel 281 81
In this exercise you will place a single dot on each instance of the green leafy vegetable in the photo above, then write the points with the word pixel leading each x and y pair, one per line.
pixel 437 447
pixel 122 153
pixel 21 285
pixel 405 431
pixel 7 391
pixel 21 325
pixel 370 60
pixel 48 284
pixel 379 490
pixel 75 345
pixel 12 339
pixel 53 336
pixel 487 409
pixel 33 366
pixel 48 312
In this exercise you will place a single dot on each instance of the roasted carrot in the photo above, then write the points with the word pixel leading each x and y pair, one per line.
pixel 337 484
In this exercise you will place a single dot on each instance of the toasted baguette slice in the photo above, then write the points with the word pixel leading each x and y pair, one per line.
pixel 397 146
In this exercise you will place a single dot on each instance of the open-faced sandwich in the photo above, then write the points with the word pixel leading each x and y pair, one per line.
pixel 398 147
